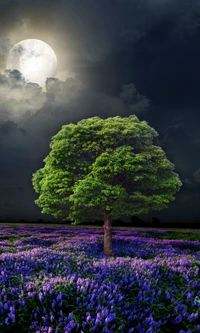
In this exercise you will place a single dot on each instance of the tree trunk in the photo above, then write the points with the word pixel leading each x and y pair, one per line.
pixel 108 248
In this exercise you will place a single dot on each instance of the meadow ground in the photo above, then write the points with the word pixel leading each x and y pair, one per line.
pixel 55 279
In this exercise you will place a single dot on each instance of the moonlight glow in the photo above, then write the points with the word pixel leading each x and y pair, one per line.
pixel 34 59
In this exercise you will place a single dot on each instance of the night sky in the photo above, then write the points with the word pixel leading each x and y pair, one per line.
pixel 115 58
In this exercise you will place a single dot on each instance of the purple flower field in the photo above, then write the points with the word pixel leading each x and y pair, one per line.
pixel 57 280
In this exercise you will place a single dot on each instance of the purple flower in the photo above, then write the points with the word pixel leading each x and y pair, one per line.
pixel 40 295
pixel 12 317
pixel 72 323
pixel 53 304
pixel 7 321
pixel 110 317
pixel 6 306
pixel 84 324
pixel 150 330
pixel 70 316
pixel 52 317
pixel 190 295
pixel 59 297
pixel 178 319
pixel 193 317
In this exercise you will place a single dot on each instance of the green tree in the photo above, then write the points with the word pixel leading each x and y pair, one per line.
pixel 103 169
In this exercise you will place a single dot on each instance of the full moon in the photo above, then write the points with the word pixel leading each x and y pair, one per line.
pixel 35 59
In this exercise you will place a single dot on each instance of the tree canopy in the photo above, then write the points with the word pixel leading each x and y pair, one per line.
pixel 103 165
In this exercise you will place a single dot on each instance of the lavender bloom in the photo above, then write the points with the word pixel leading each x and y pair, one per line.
pixel 53 304
pixel 52 317
pixel 72 324
pixel 59 297
pixel 7 321
pixel 12 317
pixel 193 317
pixel 40 296
pixel 190 295
pixel 178 319
pixel 110 318
pixel 150 330
pixel 6 306
pixel 124 286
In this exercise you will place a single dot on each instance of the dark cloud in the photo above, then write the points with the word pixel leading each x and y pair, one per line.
pixel 71 101
pixel 17 96
pixel 131 35
pixel 13 78
pixel 176 134
pixel 131 21
pixel 196 176
pixel 139 18
pixel 187 181
pixel 9 18
pixel 181 148
pixel 21 154
pixel 5 47
pixel 9 127
pixel 62 92
pixel 131 97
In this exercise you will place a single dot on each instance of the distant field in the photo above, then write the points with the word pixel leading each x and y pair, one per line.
pixel 95 226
